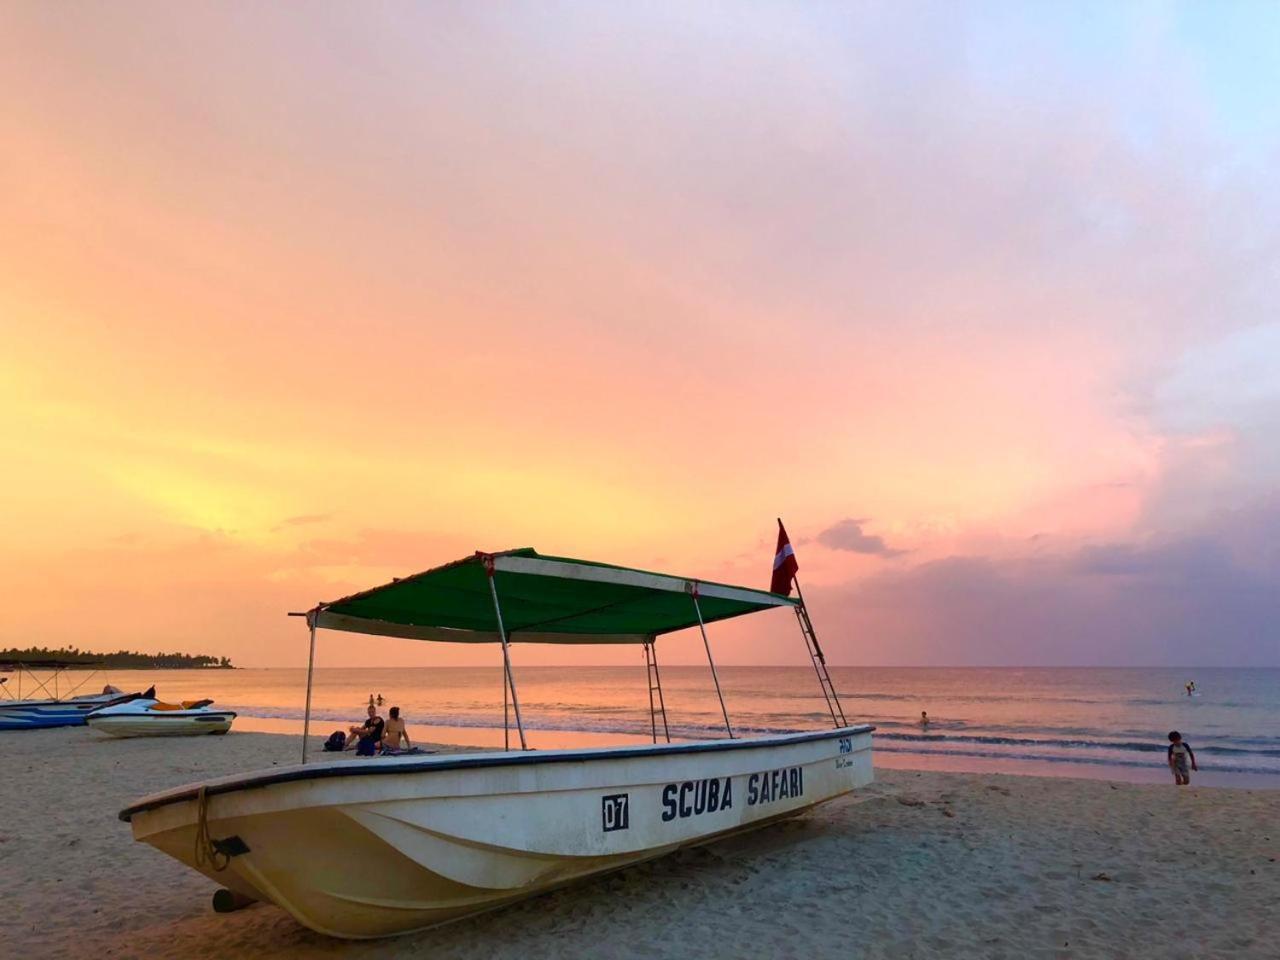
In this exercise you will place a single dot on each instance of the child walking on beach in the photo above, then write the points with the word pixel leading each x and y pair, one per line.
pixel 1179 754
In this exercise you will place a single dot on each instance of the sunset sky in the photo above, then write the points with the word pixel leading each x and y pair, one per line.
pixel 980 298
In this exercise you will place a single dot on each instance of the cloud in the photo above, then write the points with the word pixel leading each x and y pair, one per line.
pixel 848 535
pixel 305 519
pixel 1211 596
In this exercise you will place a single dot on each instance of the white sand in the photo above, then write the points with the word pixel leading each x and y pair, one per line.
pixel 919 865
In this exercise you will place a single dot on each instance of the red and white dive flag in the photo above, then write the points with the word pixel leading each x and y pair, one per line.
pixel 785 566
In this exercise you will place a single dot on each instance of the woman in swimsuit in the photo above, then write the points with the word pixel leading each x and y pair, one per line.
pixel 395 732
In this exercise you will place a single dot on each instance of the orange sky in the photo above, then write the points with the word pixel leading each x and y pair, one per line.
pixel 287 312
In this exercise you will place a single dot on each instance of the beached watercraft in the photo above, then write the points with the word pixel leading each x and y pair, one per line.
pixel 371 848
pixel 57 708
pixel 146 717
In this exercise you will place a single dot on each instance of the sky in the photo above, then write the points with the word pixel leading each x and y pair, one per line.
pixel 980 298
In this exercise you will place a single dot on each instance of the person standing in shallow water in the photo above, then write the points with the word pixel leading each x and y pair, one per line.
pixel 924 720
pixel 1180 754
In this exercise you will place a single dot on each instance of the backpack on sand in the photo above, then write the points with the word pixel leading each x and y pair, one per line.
pixel 336 743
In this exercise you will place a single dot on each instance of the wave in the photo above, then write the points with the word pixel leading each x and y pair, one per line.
pixel 1141 746
pixel 847 697
pixel 1078 748
pixel 1059 758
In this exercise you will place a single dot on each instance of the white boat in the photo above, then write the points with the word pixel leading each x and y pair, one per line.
pixel 369 848
pixel 58 708
pixel 147 717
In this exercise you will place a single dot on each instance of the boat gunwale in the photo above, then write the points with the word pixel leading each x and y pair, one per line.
pixel 349 768
pixel 167 715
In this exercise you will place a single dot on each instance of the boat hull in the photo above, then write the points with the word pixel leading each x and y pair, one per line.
pixel 368 849
pixel 162 725
pixel 39 714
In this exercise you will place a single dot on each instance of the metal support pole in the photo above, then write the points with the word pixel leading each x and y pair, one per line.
pixel 703 627
pixel 506 655
pixel 506 721
pixel 311 666
pixel 41 686
pixel 80 683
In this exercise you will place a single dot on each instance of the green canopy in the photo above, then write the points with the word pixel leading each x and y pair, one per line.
pixel 543 600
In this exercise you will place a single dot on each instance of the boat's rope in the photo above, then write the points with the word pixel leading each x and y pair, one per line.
pixel 207 852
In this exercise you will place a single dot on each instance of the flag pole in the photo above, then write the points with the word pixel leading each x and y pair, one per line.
pixel 800 595
pixel 816 656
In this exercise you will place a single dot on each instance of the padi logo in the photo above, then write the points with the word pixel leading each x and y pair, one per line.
pixel 696 797
pixel 615 812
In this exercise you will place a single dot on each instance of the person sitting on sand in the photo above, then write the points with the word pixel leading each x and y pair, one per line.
pixel 369 734
pixel 1179 754
pixel 395 732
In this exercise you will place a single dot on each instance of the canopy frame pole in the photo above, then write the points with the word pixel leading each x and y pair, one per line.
pixel 39 686
pixel 506 721
pixel 506 653
pixel 89 675
pixel 693 591
pixel 311 667
pixel 819 660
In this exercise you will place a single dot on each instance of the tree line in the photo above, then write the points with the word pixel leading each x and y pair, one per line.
pixel 119 660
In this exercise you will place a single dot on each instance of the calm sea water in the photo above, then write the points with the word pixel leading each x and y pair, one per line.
pixel 1091 722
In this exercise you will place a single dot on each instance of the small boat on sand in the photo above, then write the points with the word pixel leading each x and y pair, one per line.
pixel 144 716
pixel 58 707
pixel 368 848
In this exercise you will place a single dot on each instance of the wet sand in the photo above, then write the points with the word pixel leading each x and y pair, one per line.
pixel 921 864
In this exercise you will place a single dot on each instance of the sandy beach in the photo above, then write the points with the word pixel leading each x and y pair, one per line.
pixel 919 865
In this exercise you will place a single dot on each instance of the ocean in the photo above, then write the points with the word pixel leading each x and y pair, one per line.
pixel 1093 722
